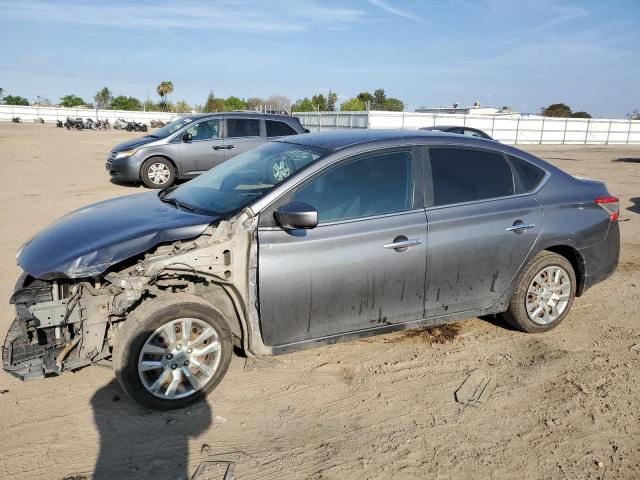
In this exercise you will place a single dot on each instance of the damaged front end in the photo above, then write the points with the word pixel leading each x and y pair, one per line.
pixel 66 324
pixel 58 325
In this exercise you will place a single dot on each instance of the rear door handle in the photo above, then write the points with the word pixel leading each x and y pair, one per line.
pixel 400 245
pixel 218 147
pixel 519 227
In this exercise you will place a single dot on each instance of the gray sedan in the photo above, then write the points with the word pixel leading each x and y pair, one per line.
pixel 371 232
pixel 191 145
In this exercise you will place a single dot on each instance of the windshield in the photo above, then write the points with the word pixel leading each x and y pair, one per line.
pixel 234 184
pixel 172 127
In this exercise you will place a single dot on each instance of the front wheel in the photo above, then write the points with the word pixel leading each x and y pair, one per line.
pixel 543 295
pixel 172 351
pixel 157 172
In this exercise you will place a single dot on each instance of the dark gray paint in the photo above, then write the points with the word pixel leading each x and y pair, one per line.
pixel 90 240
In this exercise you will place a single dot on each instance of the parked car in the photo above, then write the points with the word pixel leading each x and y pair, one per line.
pixel 371 232
pixel 469 131
pixel 191 145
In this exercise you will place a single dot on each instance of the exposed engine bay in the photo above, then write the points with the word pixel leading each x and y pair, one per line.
pixel 66 324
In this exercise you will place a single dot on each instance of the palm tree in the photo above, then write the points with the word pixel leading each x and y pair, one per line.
pixel 164 89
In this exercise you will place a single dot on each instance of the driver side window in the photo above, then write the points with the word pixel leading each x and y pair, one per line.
pixel 206 130
pixel 375 184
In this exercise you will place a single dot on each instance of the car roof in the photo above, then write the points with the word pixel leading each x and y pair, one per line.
pixel 335 140
pixel 339 139
pixel 271 116
pixel 447 127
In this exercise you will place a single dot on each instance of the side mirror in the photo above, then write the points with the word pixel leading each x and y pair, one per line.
pixel 296 215
pixel 187 137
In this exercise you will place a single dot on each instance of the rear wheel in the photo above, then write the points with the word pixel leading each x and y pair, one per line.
pixel 158 172
pixel 544 293
pixel 172 351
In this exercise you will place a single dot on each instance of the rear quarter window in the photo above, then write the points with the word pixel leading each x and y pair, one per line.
pixel 466 175
pixel 278 129
pixel 528 175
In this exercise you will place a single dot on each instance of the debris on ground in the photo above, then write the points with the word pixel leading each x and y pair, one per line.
pixel 476 389
pixel 3 391
pixel 635 348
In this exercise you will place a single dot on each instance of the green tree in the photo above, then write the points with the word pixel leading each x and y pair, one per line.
pixel 151 106
pixel 319 102
pixel 234 103
pixel 213 104
pixel 580 115
pixel 556 110
pixel 366 98
pixel 254 103
pixel 391 104
pixel 72 101
pixel 332 100
pixel 163 89
pixel 15 100
pixel 103 98
pixel 379 97
pixel 303 105
pixel 182 107
pixel 126 103
pixel 353 105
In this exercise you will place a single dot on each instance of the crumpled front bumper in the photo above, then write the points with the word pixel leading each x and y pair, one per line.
pixel 26 357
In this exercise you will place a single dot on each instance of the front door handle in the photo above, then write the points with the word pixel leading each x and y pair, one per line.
pixel 402 243
pixel 218 147
pixel 230 147
pixel 519 226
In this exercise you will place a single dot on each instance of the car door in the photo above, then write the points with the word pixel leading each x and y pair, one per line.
pixel 243 134
pixel 363 266
pixel 480 231
pixel 206 148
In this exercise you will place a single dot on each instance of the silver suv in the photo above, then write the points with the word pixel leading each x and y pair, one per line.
pixel 191 145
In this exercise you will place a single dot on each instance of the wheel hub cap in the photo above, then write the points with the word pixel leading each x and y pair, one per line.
pixel 548 295
pixel 179 358
pixel 159 173
pixel 281 171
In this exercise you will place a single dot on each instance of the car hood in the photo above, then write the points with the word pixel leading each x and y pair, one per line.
pixel 134 143
pixel 86 242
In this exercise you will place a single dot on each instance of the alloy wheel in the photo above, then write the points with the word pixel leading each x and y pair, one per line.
pixel 548 295
pixel 158 173
pixel 179 358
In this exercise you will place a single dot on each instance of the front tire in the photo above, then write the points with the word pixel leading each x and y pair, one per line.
pixel 543 295
pixel 171 351
pixel 157 172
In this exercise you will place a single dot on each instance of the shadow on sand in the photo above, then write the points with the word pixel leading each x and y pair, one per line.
pixel 141 443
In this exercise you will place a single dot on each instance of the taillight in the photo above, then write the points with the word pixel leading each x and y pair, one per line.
pixel 611 205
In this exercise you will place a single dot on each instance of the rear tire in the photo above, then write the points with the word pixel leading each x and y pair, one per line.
pixel 157 172
pixel 543 295
pixel 137 347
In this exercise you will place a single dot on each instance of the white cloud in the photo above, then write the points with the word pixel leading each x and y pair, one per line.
pixel 393 10
pixel 252 16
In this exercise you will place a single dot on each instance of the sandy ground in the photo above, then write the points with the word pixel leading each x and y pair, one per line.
pixel 566 403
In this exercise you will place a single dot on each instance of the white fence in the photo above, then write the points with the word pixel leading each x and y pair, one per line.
pixel 51 114
pixel 511 129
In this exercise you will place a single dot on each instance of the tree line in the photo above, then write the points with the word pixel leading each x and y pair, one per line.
pixel 105 99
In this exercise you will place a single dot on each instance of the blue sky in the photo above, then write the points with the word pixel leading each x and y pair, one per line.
pixel 523 53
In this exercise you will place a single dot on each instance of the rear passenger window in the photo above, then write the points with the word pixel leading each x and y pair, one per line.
pixel 465 175
pixel 372 185
pixel 528 175
pixel 243 127
pixel 278 129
